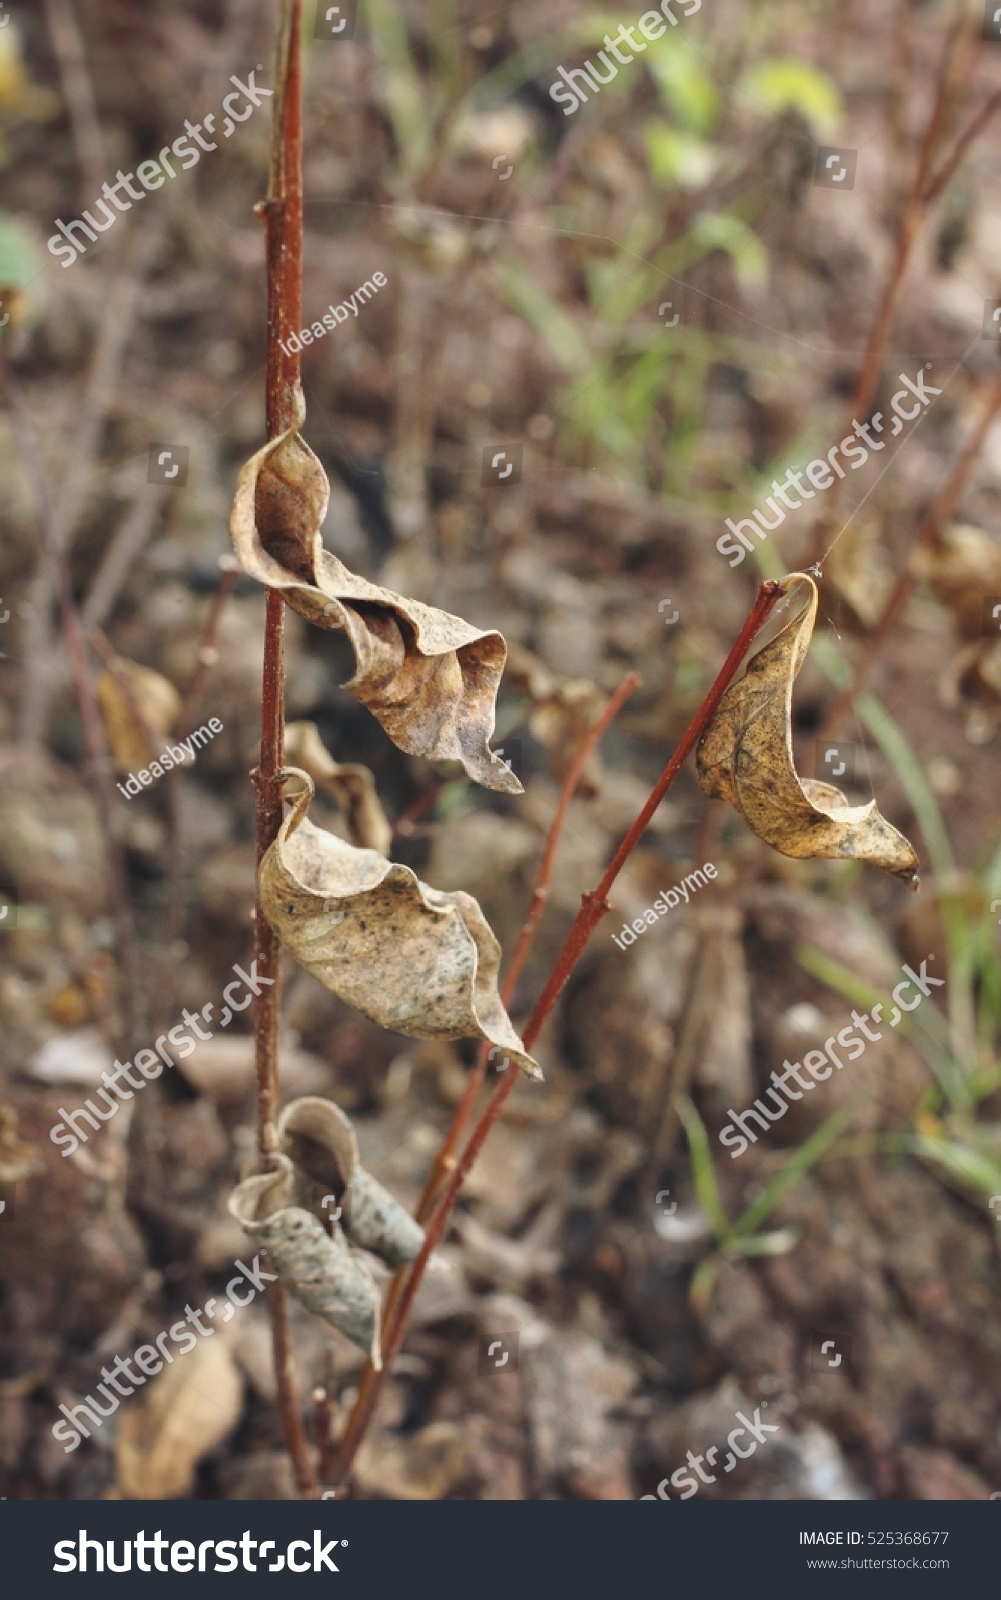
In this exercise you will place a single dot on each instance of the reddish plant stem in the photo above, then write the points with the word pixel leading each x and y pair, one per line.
pixel 595 904
pixel 282 213
pixel 323 1418
pixel 593 907
pixel 444 1161
pixel 941 508
pixel 910 225
pixel 937 185
pixel 924 190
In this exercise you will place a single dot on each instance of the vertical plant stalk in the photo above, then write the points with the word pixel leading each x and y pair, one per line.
pixel 925 189
pixel 593 907
pixel 282 215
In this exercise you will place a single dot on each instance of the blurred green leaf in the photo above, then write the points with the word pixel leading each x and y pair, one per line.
pixel 721 230
pixel 970 1168
pixel 685 88
pixel 678 159
pixel 703 1174
pixel 785 84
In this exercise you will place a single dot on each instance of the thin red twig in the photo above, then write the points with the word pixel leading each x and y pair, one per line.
pixel 444 1162
pixel 282 213
pixel 593 907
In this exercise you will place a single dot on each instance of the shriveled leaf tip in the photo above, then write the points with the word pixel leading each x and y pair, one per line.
pixel 745 757
pixel 430 678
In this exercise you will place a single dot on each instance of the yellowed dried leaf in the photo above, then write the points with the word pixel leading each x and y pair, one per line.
pixel 429 678
pixel 860 571
pixel 182 1414
pixel 745 756
pixel 413 958
pixel 964 570
pixel 158 702
pixel 350 786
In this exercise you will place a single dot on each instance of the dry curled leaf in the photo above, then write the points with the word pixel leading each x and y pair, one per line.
pixel 320 1141
pixel 153 697
pixel 745 756
pixel 351 787
pixel 415 959
pixel 429 678
pixel 316 1266
pixel 187 1410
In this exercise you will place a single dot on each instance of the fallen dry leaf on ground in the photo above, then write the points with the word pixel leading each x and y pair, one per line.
pixel 158 703
pixel 186 1410
pixel 429 678
pixel 414 959
pixel 745 756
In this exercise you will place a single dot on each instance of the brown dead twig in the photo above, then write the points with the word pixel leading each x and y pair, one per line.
pixel 593 907
pixel 282 216
pixel 78 90
pixel 927 186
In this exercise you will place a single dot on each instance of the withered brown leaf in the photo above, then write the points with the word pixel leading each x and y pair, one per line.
pixel 745 756
pixel 188 1409
pixel 414 959
pixel 155 698
pixel 430 678
pixel 350 786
